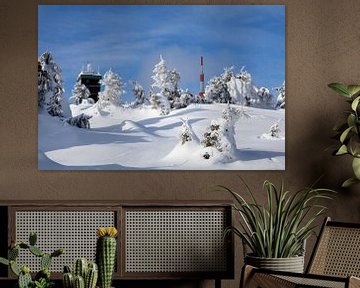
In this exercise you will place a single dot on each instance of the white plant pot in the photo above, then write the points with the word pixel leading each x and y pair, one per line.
pixel 291 264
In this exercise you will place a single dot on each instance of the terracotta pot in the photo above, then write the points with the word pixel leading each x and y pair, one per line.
pixel 291 264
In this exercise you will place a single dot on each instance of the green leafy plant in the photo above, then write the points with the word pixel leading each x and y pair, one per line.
pixel 42 278
pixel 279 229
pixel 348 132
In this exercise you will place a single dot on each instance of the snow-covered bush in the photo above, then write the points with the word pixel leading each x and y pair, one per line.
pixel 79 93
pixel 212 136
pixel 184 100
pixel 217 91
pixel 81 121
pixel 231 88
pixel 114 88
pixel 160 102
pixel 139 94
pixel 221 133
pixel 245 87
pixel 264 96
pixel 186 133
pixel 280 103
pixel 50 85
pixel 275 130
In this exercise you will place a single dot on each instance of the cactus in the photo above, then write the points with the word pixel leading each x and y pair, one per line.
pixel 4 261
pixel 91 276
pixel 80 267
pixel 68 280
pixel 32 239
pixel 79 282
pixel 105 254
pixel 36 251
pixel 14 268
pixel 45 261
pixel 88 273
pixel 24 278
pixel 44 273
pixel 13 253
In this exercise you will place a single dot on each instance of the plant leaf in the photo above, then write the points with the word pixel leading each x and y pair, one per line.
pixel 345 134
pixel 4 261
pixel 355 103
pixel 342 150
pixel 349 182
pixel 353 89
pixel 356 167
pixel 340 88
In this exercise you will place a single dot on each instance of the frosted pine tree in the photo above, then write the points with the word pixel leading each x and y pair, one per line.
pixel 212 136
pixel 280 103
pixel 172 92
pixel 161 83
pixel 50 85
pixel 221 133
pixel 186 132
pixel 79 93
pixel 139 94
pixel 114 88
pixel 159 101
pixel 245 86
pixel 217 91
pixel 274 130
pixel 184 99
pixel 80 121
pixel 264 96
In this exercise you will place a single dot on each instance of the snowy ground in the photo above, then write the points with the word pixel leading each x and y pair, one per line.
pixel 124 138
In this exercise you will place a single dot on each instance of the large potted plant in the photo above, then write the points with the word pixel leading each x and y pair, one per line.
pixel 348 132
pixel 275 233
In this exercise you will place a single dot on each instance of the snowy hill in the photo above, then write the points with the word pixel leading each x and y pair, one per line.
pixel 125 138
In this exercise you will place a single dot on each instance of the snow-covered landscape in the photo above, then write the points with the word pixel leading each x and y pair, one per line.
pixel 141 139
pixel 157 117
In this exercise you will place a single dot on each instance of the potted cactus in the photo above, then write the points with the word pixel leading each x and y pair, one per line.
pixel 84 275
pixel 42 278
pixel 106 254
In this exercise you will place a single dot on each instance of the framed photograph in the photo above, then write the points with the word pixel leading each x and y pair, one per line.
pixel 161 87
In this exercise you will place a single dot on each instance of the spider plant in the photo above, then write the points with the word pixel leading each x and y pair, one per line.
pixel 279 229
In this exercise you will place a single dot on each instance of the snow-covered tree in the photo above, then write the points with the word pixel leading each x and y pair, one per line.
pixel 212 136
pixel 50 85
pixel 79 93
pixel 160 76
pixel 183 100
pixel 274 130
pixel 245 87
pixel 139 94
pixel 221 133
pixel 114 88
pixel 264 96
pixel 173 80
pixel 186 133
pixel 217 91
pixel 161 87
pixel 280 103
pixel 159 101
pixel 81 121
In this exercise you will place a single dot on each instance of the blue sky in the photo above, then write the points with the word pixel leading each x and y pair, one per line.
pixel 130 38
